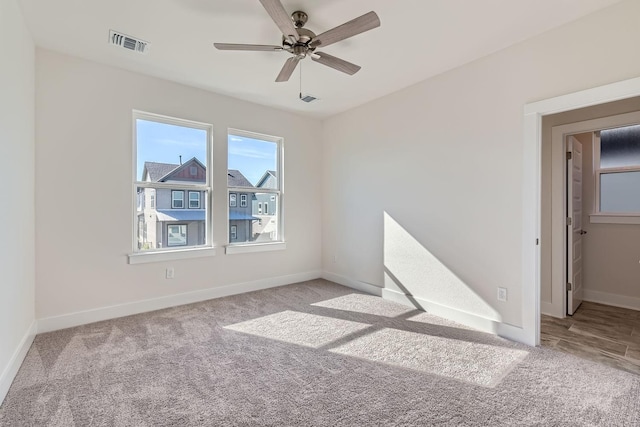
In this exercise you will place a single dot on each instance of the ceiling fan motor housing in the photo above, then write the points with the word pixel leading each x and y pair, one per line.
pixel 301 47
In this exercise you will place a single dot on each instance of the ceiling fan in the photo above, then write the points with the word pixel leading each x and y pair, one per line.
pixel 301 42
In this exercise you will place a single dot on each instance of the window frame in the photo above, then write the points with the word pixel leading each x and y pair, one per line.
pixel 173 199
pixel 186 233
pixel 190 192
pixel 233 204
pixel 280 242
pixel 243 200
pixel 233 232
pixel 599 216
pixel 138 256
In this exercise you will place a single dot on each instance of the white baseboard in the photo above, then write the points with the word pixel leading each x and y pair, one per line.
pixel 514 333
pixel 10 371
pixel 612 299
pixel 64 321
pixel 354 284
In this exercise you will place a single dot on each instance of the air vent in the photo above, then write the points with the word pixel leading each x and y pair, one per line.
pixel 308 98
pixel 128 42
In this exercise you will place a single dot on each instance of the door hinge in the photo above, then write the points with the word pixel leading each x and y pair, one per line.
pixel 569 155
pixel 569 221
pixel 537 242
pixel 568 286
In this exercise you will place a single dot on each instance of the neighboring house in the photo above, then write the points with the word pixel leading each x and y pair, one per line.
pixel 240 204
pixel 167 217
pixel 265 207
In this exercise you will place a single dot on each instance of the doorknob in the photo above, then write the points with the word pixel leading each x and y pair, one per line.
pixel 582 232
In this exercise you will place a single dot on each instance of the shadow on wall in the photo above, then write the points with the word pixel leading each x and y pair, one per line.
pixel 411 270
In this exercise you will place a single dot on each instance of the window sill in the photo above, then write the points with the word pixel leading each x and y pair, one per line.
pixel 255 247
pixel 600 218
pixel 170 255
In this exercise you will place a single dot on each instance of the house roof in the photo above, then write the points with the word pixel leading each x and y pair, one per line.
pixel 236 179
pixel 264 177
pixel 184 165
pixel 181 214
pixel 158 170
pixel 239 216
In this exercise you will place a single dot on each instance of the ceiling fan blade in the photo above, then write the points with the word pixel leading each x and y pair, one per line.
pixel 336 63
pixel 287 69
pixel 366 22
pixel 281 18
pixel 254 47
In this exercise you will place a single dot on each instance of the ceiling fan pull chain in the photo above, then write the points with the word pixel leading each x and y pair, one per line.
pixel 300 80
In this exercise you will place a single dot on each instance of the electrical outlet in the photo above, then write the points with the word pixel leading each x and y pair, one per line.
pixel 170 273
pixel 502 294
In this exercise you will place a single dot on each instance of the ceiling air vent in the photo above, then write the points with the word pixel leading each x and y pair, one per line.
pixel 128 42
pixel 308 98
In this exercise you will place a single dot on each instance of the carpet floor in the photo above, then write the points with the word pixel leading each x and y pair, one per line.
pixel 309 354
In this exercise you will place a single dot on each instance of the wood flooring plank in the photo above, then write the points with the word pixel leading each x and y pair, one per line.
pixel 560 332
pixel 602 331
pixel 590 353
pixel 633 354
pixel 605 334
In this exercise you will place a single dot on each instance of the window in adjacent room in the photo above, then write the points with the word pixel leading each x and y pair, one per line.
pixel 617 163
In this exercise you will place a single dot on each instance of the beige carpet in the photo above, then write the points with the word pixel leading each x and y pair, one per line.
pixel 309 354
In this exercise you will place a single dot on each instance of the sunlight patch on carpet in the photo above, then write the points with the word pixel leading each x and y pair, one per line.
pixel 299 328
pixel 480 364
pixel 367 304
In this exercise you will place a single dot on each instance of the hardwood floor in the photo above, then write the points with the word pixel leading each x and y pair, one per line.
pixel 602 333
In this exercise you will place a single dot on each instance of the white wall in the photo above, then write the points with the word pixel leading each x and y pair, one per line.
pixel 443 159
pixel 17 175
pixel 84 178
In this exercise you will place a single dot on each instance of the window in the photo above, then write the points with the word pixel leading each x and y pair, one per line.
pixel 232 200
pixel 170 168
pixel 234 232
pixel 177 235
pixel 617 162
pixel 255 172
pixel 266 208
pixel 194 200
pixel 177 199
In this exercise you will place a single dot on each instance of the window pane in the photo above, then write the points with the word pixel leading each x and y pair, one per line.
pixel 265 229
pixel 620 147
pixel 620 192
pixel 177 235
pixel 162 148
pixel 252 162
pixel 253 165
pixel 177 199
pixel 194 200
pixel 164 226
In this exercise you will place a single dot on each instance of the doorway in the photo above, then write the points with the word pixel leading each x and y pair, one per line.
pixel 594 224
pixel 535 221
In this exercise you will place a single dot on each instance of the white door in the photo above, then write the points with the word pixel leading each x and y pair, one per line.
pixel 574 224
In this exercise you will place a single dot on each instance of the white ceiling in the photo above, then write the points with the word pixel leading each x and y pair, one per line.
pixel 416 40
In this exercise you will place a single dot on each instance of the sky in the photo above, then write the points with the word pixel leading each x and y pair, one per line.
pixel 164 143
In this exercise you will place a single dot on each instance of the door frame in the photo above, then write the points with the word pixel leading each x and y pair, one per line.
pixel 531 187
